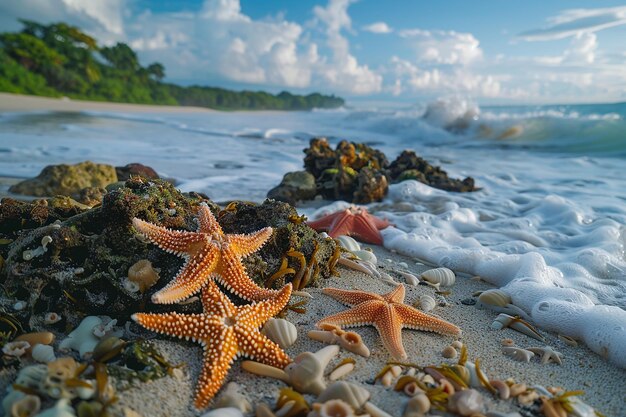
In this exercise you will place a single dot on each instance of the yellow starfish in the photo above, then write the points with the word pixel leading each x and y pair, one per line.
pixel 210 254
pixel 225 332
pixel 387 313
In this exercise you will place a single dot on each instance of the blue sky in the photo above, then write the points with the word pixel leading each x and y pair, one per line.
pixel 497 51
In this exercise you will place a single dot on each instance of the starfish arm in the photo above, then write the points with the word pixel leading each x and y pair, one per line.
pixel 244 245
pixel 183 326
pixel 342 225
pixel 363 314
pixel 377 221
pixel 232 275
pixel 350 297
pixel 396 295
pixel 215 303
pixel 206 221
pixel 256 314
pixel 365 230
pixel 191 278
pixel 259 348
pixel 173 241
pixel 415 319
pixel 389 328
pixel 219 354
pixel 323 223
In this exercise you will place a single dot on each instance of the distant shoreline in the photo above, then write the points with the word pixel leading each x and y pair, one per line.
pixel 23 103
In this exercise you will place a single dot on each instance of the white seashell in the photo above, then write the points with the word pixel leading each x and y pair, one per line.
pixel 366 255
pixel 517 389
pixel 374 411
pixel 443 276
pixel 43 353
pixel 332 408
pixel 504 391
pixel 548 354
pixel 419 405
pixel 281 332
pixel 353 394
pixel 26 406
pixel 350 341
pixel 495 297
pixel 466 402
pixel 61 409
pixel 518 354
pixel 16 348
pixel 356 266
pixel 457 344
pixel 51 318
pixel 504 320
pixel 403 265
pixel 341 371
pixel 232 397
pixel 388 278
pixel 349 243
pixel 427 302
pixel 305 372
pixel 580 408
pixel 410 278
pixel 102 329
pixel 82 338
pixel 224 412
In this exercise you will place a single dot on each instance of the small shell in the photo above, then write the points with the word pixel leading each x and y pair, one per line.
pixel 26 406
pixel 507 342
pixel 527 397
pixel 410 278
pixel 427 303
pixel 143 274
pixel 332 408
pixel 504 320
pixel 352 342
pixel 568 340
pixel 349 243
pixel 43 353
pixel 412 389
pixel 418 405
pixel 305 372
pixel 403 265
pixel 504 391
pixel 82 338
pixel 449 352
pixel 36 338
pixel 353 394
pixel 374 411
pixel 232 397
pixel 366 255
pixel 281 332
pixel 518 354
pixel 457 344
pixel 495 297
pixel 443 276
pixel 341 371
pixel 51 318
pixel 16 348
pixel 517 389
pixel 466 402
pixel 19 306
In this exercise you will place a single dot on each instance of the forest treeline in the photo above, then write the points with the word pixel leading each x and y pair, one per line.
pixel 60 60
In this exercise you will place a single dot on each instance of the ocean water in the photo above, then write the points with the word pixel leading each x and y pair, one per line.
pixel 548 225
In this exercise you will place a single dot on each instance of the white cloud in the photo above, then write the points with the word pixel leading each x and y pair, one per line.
pixel 378 28
pixel 572 22
pixel 444 47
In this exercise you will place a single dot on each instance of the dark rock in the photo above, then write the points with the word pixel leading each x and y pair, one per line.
pixel 371 186
pixel 66 179
pixel 295 186
pixel 135 169
pixel 90 196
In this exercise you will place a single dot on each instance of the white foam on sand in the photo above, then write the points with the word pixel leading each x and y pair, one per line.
pixel 565 269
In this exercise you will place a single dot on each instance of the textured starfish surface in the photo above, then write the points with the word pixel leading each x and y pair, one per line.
pixel 387 313
pixel 210 254
pixel 353 221
pixel 226 332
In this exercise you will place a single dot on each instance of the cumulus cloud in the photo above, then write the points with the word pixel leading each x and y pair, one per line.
pixel 444 47
pixel 572 22
pixel 378 28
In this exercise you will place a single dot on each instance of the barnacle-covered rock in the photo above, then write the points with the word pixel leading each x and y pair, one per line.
pixel 295 186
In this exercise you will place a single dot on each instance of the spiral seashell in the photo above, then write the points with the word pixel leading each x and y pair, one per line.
pixel 43 353
pixel 353 394
pixel 143 274
pixel 349 243
pixel 443 276
pixel 332 408
pixel 495 297
pixel 518 354
pixel 426 302
pixel 281 332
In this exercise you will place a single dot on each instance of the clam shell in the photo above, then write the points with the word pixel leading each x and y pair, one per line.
pixel 366 255
pixel 427 302
pixel 353 394
pixel 281 332
pixel 495 297
pixel 349 243
pixel 443 276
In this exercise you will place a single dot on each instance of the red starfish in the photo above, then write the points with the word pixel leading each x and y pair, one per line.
pixel 353 221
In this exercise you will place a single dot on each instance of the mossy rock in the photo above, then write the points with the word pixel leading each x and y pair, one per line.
pixel 295 186
pixel 66 179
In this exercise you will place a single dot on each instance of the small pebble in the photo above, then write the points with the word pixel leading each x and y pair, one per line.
pixel 468 301
pixel 403 265
pixel 449 352
pixel 388 260
pixel 19 306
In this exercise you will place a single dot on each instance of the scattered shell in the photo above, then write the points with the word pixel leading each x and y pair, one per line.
pixel 306 370
pixel 232 397
pixel 403 265
pixel 366 255
pixel 130 286
pixel 350 341
pixel 504 320
pixel 417 406
pixel 548 354
pixel 527 397
pixel 353 394
pixel 27 406
pixel 16 348
pixel 387 378
pixel 517 389
pixel 103 329
pixel 32 376
pixel 374 411
pixel 43 353
pixel 82 338
pixel 349 243
pixel 457 344
pixel 446 386
pixel 568 340
pixel 507 342
pixel 332 408
pixel 449 352
pixel 51 318
pixel 504 391
pixel 409 278
pixel 412 389
pixel 342 370
pixel 495 297
pixel 426 302
pixel 280 331
pixel 388 278
pixel 466 402
pixel 143 274
pixel 443 276
pixel 357 266
pixel 224 412
pixel 36 338
pixel 518 354
pixel 61 409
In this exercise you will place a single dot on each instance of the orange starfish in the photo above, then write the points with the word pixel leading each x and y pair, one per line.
pixel 353 221
pixel 210 254
pixel 387 313
pixel 225 332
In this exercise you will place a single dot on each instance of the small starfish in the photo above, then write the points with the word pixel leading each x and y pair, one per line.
pixel 210 254
pixel 548 354
pixel 387 313
pixel 353 221
pixel 225 332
